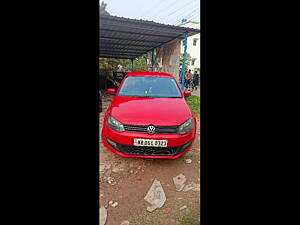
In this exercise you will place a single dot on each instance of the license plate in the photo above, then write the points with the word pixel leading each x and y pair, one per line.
pixel 150 142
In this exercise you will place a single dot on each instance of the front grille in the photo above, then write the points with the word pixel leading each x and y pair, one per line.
pixel 138 150
pixel 150 151
pixel 158 129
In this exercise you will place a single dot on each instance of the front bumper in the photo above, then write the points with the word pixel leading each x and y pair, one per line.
pixel 121 143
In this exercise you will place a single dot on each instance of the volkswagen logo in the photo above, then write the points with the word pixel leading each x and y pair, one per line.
pixel 151 129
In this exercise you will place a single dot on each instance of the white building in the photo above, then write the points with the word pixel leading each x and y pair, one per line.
pixel 193 45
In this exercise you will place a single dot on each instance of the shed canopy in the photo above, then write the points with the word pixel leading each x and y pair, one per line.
pixel 125 38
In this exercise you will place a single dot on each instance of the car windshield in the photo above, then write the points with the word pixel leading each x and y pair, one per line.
pixel 150 86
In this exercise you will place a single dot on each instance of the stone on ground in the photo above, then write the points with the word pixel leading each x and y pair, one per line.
pixel 192 186
pixel 179 182
pixel 115 204
pixel 155 196
pixel 103 215
pixel 116 170
pixel 183 207
pixel 111 181
pixel 188 161
pixel 104 166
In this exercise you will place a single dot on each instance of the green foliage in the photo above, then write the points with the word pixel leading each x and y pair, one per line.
pixel 188 60
pixel 139 64
pixel 189 219
pixel 194 103
pixel 126 64
pixel 109 64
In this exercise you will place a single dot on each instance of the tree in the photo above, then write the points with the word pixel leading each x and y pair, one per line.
pixel 109 64
pixel 188 60
pixel 139 64
pixel 103 8
pixel 126 64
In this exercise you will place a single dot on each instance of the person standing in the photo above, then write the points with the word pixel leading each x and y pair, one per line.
pixel 196 79
pixel 188 77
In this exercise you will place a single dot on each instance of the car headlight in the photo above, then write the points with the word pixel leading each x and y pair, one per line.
pixel 115 124
pixel 186 126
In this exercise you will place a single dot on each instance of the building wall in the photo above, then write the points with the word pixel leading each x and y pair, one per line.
pixel 168 58
pixel 194 51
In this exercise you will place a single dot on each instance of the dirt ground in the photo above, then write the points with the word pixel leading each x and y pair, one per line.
pixel 127 181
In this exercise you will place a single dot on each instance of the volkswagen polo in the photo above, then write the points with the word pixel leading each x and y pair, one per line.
pixel 149 117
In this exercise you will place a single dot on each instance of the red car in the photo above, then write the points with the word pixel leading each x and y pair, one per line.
pixel 149 118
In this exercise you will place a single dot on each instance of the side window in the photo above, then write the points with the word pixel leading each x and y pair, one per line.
pixel 193 61
pixel 195 41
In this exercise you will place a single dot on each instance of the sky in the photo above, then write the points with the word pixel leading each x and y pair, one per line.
pixel 161 11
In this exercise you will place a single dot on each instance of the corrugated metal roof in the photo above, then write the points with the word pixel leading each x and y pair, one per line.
pixel 129 38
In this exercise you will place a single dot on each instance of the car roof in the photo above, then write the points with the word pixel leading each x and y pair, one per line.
pixel 148 73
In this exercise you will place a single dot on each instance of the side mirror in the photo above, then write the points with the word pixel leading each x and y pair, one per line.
pixel 187 93
pixel 111 91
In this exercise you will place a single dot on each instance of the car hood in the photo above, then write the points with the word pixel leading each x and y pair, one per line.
pixel 145 111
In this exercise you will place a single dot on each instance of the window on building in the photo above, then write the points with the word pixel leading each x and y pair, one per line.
pixel 193 61
pixel 195 41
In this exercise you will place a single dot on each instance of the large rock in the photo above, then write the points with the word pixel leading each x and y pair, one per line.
pixel 103 215
pixel 155 196
pixel 179 182
pixel 192 186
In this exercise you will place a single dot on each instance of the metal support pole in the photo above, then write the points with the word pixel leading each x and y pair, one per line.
pixel 152 61
pixel 131 64
pixel 184 61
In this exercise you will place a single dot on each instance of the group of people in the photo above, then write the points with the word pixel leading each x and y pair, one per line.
pixel 191 81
